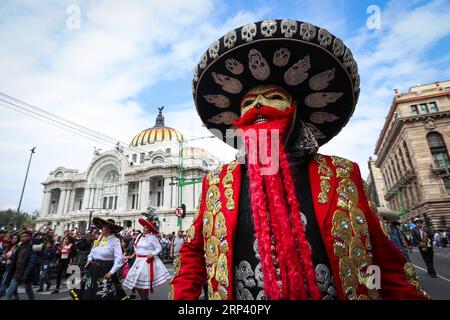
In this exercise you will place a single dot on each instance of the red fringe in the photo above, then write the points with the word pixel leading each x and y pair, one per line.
pixel 276 212
pixel 299 228
pixel 262 230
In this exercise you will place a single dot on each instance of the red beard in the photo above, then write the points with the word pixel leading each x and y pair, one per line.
pixel 285 252
pixel 276 119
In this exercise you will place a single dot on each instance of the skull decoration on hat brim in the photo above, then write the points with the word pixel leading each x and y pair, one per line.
pixel 310 63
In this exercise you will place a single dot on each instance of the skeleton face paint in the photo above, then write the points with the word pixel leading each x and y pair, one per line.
pixel 270 96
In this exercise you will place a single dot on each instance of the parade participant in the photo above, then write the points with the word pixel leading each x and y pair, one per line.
pixel 48 260
pixel 7 257
pixel 23 265
pixel 104 261
pixel 298 225
pixel 423 239
pixel 66 255
pixel 148 271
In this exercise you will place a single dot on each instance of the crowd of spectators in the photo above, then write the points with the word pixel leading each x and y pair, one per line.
pixel 41 257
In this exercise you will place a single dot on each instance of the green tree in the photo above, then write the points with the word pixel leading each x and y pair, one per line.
pixel 10 219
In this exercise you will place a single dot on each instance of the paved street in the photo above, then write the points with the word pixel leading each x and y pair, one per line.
pixel 438 288
pixel 160 293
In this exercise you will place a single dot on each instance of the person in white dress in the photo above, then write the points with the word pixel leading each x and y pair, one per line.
pixel 147 271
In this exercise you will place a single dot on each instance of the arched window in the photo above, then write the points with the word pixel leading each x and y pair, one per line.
pixel 440 156
pixel 438 150
pixel 158 160
pixel 110 190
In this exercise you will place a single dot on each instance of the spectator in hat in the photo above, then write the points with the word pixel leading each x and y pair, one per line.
pixel 398 238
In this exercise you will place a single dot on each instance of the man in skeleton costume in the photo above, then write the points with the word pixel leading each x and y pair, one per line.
pixel 299 226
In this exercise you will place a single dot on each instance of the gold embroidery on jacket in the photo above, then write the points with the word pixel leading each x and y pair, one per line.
pixel 351 233
pixel 207 223
pixel 171 293
pixel 227 184
pixel 177 264
pixel 215 231
pixel 325 174
pixel 190 233
pixel 413 279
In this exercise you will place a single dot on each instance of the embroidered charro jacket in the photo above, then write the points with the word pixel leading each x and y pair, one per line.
pixel 347 221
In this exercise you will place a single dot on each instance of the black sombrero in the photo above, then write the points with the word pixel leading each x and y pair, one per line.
pixel 313 65
pixel 388 214
pixel 100 223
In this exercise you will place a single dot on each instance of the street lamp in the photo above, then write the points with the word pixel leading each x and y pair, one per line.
pixel 26 176
pixel 91 211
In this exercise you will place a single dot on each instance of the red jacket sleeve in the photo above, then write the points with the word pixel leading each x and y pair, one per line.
pixel 189 266
pixel 398 278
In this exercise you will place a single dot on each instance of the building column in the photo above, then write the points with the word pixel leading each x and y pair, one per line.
pixel 174 195
pixel 198 194
pixel 91 198
pixel 123 197
pixel 62 199
pixel 87 194
pixel 97 201
pixel 66 201
pixel 72 200
pixel 166 194
pixel 144 194
pixel 138 204
pixel 46 202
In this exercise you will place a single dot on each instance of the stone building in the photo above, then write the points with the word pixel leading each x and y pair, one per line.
pixel 375 185
pixel 412 154
pixel 127 181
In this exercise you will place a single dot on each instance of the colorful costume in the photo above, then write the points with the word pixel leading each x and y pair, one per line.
pixel 147 273
pixel 105 257
pixel 299 226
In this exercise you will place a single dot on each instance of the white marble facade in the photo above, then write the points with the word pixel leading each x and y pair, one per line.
pixel 125 182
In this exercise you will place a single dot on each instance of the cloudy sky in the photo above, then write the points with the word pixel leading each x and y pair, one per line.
pixel 109 70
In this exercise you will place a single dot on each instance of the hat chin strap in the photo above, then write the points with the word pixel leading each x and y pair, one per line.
pixel 303 144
